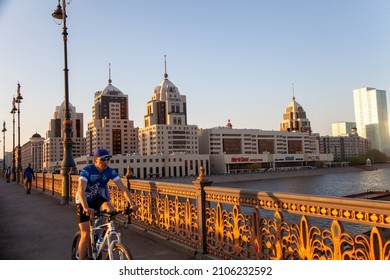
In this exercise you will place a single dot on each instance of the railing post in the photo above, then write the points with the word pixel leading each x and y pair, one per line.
pixel 201 203
pixel 129 175
pixel 52 183
pixel 72 171
pixel 43 181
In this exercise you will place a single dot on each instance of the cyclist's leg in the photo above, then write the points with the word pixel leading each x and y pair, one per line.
pixel 83 220
pixel 84 240
pixel 107 206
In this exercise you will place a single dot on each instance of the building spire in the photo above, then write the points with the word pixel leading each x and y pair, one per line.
pixel 109 73
pixel 165 67
pixel 293 91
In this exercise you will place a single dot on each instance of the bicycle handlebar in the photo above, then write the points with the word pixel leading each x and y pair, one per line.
pixel 106 213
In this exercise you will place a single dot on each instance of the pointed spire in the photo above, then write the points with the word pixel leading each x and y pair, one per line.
pixel 293 91
pixel 165 67
pixel 109 73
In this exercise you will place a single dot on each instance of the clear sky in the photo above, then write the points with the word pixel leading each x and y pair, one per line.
pixel 233 59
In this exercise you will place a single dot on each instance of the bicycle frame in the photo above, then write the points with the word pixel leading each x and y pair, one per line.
pixel 111 236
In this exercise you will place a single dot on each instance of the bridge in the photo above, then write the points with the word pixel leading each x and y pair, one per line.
pixel 38 227
pixel 207 221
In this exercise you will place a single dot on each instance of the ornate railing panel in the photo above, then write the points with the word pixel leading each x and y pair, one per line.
pixel 237 234
pixel 243 224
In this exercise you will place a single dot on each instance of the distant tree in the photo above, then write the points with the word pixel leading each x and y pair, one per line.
pixel 377 156
pixel 255 166
pixel 359 160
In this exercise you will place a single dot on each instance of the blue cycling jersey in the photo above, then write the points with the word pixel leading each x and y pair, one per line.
pixel 97 181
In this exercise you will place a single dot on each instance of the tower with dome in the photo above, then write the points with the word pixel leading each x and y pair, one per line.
pixel 294 118
pixel 110 126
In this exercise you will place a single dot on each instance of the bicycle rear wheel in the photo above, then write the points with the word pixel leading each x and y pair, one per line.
pixel 120 252
pixel 75 246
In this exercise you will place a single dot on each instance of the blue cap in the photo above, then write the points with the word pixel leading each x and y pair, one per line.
pixel 102 153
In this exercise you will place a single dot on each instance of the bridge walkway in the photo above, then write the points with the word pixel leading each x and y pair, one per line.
pixel 38 227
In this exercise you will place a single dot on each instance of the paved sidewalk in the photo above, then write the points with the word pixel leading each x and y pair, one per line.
pixel 38 227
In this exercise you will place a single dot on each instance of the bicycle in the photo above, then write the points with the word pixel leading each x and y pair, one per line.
pixel 111 247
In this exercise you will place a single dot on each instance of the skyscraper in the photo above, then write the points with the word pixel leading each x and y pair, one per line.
pixel 110 126
pixel 343 128
pixel 165 128
pixel 371 117
pixel 294 118
pixel 53 149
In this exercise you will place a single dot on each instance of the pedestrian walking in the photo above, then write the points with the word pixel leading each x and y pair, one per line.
pixel 8 174
pixel 28 176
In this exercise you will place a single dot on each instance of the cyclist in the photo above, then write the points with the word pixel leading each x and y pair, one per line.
pixel 92 194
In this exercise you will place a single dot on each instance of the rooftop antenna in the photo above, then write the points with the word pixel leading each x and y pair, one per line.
pixel 165 67
pixel 109 73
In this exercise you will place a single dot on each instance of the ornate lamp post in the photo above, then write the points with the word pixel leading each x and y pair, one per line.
pixel 13 111
pixel 19 165
pixel 68 165
pixel 4 130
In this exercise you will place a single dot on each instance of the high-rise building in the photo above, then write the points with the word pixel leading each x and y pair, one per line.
pixel 346 146
pixel 294 118
pixel 110 127
pixel 32 152
pixel 343 128
pixel 372 118
pixel 53 147
pixel 165 128
pixel 167 145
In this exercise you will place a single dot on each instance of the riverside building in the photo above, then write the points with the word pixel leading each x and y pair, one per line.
pixel 167 145
pixel 371 117
pixel 248 150
pixel 347 146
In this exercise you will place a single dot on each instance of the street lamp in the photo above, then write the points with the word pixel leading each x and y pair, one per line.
pixel 4 130
pixel 13 111
pixel 19 166
pixel 68 165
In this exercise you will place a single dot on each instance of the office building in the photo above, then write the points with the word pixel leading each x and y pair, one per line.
pixel 343 128
pixel 32 152
pixel 110 127
pixel 53 147
pixel 294 118
pixel 167 145
pixel 245 150
pixel 345 147
pixel 371 117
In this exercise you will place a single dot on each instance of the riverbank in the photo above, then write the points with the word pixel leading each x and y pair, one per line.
pixel 275 175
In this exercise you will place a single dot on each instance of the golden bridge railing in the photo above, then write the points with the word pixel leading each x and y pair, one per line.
pixel 230 223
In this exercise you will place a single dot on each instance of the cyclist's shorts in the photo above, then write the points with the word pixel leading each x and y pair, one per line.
pixel 96 204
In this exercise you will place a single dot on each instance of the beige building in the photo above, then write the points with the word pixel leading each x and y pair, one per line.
pixel 246 150
pixel 344 147
pixel 53 147
pixel 32 152
pixel 343 128
pixel 294 118
pixel 167 145
pixel 165 128
pixel 110 127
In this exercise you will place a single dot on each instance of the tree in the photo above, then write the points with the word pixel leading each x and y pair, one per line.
pixel 376 156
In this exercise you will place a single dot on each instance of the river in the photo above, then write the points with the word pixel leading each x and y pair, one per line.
pixel 333 184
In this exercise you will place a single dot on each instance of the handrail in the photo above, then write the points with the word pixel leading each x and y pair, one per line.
pixel 229 223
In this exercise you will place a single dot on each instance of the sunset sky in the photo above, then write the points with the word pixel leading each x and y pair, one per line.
pixel 233 60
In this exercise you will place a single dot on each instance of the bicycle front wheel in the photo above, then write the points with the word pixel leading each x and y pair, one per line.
pixel 120 252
